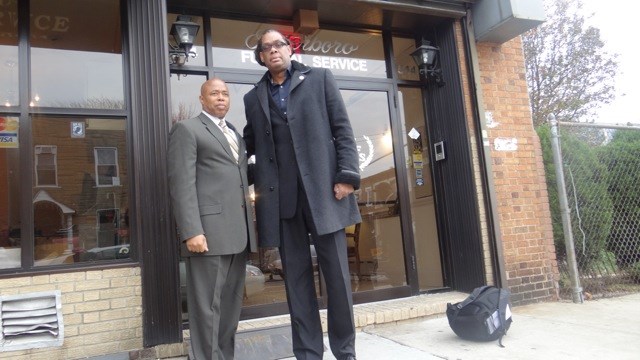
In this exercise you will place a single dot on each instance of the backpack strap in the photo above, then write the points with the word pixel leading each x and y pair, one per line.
pixel 476 292
pixel 502 313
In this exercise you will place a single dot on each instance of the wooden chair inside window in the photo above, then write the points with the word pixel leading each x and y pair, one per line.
pixel 353 250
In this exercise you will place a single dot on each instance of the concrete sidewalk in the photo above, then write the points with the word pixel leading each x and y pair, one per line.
pixel 597 329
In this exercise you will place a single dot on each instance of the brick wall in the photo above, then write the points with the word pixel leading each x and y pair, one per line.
pixel 518 173
pixel 102 312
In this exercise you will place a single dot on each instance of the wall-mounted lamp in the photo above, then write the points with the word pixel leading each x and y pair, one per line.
pixel 428 60
pixel 184 32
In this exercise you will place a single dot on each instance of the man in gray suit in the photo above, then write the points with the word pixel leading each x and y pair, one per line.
pixel 305 173
pixel 207 166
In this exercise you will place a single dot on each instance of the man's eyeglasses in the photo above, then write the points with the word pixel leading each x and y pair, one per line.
pixel 278 45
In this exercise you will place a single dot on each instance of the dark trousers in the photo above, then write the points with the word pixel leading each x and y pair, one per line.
pixel 214 297
pixel 301 292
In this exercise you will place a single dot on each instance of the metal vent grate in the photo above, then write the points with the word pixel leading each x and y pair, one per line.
pixel 30 321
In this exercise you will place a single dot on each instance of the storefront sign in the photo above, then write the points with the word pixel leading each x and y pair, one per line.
pixel 339 63
pixel 333 63
pixel 8 140
pixel 310 45
pixel 39 22
pixel 344 54
pixel 327 47
pixel 8 132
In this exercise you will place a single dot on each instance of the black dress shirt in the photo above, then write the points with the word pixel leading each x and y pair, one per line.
pixel 280 92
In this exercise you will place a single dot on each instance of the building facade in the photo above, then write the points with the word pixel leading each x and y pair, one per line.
pixel 453 193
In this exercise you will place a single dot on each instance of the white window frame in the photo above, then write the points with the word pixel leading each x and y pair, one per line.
pixel 97 165
pixel 46 149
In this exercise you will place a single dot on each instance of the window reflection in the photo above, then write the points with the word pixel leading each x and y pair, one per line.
pixel 185 92
pixel 106 160
pixel 74 63
pixel 10 236
pixel 9 75
pixel 406 68
pixel 46 165
pixel 85 216
pixel 9 65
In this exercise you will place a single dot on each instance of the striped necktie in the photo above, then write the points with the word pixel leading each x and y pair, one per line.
pixel 231 138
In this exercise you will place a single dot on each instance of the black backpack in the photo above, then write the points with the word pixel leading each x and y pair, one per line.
pixel 483 316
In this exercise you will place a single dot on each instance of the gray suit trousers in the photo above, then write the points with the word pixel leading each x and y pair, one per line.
pixel 214 297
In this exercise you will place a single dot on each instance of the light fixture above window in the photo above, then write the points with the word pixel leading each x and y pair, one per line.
pixel 184 32
pixel 428 60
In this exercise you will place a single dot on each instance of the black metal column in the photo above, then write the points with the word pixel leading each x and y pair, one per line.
pixel 454 186
pixel 148 69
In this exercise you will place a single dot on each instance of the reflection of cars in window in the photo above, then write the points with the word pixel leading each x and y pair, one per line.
pixel 253 282
pixel 275 263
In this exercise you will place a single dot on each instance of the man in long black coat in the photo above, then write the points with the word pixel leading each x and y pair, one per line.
pixel 305 173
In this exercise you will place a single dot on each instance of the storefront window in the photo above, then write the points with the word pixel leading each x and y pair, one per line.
pixel 185 92
pixel 76 54
pixel 345 53
pixel 80 201
pixel 10 238
pixel 406 68
pixel 9 65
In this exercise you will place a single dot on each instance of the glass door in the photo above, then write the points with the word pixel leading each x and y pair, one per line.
pixel 375 246
pixel 423 213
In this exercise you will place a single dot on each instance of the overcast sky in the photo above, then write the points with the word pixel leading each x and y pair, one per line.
pixel 617 21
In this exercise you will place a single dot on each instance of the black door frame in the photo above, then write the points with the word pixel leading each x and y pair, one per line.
pixel 455 191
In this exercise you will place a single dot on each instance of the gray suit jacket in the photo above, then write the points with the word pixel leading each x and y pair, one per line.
pixel 209 190
pixel 324 146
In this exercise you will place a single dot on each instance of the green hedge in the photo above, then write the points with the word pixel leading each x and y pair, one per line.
pixel 586 180
pixel 622 155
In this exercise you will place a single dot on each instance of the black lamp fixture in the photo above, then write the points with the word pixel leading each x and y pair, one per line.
pixel 428 60
pixel 184 32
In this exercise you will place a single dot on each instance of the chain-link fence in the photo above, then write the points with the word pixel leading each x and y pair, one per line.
pixel 594 195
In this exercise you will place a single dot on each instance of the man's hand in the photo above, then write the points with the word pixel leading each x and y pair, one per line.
pixel 342 190
pixel 197 244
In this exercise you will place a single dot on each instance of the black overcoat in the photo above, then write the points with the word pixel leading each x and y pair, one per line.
pixel 324 146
